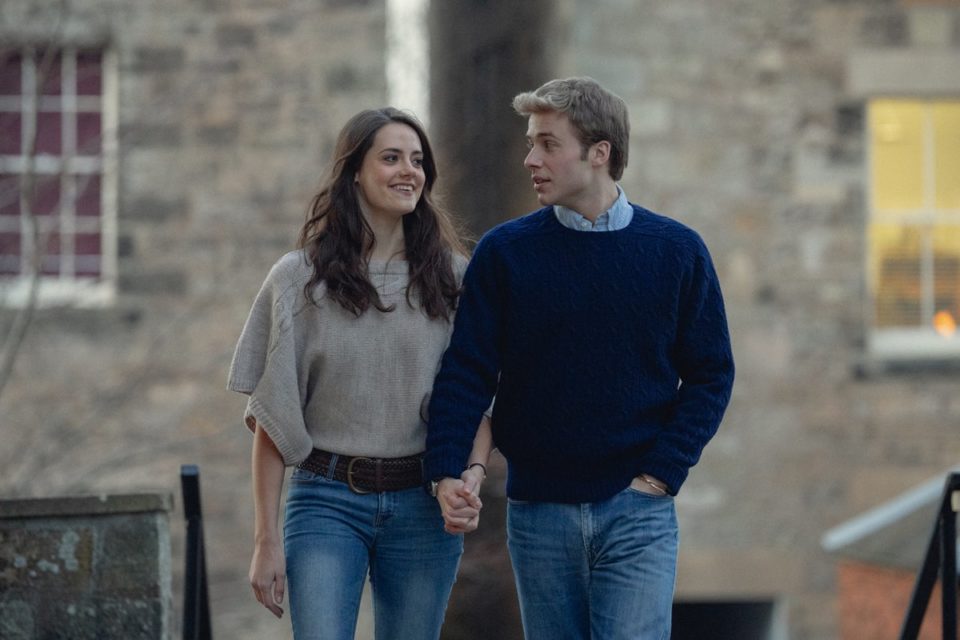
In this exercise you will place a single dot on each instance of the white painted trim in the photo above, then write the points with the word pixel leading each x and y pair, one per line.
pixel 408 57
pixel 884 515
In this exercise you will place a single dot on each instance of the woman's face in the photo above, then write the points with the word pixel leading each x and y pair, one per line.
pixel 391 177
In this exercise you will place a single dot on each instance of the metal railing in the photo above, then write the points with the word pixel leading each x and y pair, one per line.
pixel 941 558
pixel 196 602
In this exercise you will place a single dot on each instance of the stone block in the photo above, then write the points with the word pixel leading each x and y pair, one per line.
pixel 131 619
pixel 45 557
pixel 153 281
pixel 154 208
pixel 872 72
pixel 220 135
pixel 128 558
pixel 236 35
pixel 652 117
pixel 17 620
pixel 885 30
pixel 930 27
pixel 158 59
pixel 150 135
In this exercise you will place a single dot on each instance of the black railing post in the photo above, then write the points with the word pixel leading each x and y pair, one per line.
pixel 949 551
pixel 941 557
pixel 196 603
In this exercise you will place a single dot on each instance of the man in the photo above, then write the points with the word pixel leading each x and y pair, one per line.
pixel 601 329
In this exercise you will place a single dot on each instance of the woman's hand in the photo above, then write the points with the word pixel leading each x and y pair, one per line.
pixel 268 575
pixel 473 477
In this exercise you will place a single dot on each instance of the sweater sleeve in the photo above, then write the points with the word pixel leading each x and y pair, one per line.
pixel 704 361
pixel 467 379
pixel 264 367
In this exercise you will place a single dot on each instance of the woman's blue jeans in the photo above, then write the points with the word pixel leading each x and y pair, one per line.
pixel 334 536
pixel 603 570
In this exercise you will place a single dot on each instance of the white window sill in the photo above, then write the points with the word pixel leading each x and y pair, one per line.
pixel 910 351
pixel 56 292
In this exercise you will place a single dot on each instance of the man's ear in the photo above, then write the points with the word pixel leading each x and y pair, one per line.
pixel 600 153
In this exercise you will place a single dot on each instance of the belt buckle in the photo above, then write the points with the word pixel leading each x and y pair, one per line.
pixel 350 484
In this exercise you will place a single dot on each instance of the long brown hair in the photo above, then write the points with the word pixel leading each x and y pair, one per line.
pixel 337 238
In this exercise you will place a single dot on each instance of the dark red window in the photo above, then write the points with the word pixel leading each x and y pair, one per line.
pixel 51 129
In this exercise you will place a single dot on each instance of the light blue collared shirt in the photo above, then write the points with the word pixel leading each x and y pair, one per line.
pixel 615 218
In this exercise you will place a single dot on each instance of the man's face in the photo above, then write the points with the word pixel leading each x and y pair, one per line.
pixel 557 162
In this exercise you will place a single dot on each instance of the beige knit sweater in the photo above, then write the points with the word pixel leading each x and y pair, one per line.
pixel 318 376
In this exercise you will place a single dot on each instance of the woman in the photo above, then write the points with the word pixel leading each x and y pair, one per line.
pixel 338 356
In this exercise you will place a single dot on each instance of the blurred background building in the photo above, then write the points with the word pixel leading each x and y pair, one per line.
pixel 814 144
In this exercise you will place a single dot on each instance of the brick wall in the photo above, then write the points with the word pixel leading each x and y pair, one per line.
pixel 873 601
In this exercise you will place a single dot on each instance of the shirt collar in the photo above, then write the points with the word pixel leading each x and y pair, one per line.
pixel 615 218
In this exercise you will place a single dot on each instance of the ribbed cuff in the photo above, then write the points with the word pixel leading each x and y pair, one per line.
pixel 292 450
pixel 672 475
pixel 443 463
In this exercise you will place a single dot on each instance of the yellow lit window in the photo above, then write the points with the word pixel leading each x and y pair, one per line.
pixel 913 237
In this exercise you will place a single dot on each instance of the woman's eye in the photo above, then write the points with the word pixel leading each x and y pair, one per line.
pixel 417 162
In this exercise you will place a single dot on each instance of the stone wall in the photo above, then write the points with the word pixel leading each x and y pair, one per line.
pixel 228 110
pixel 94 568
pixel 747 124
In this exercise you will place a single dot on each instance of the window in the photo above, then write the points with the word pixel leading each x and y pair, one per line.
pixel 57 175
pixel 914 228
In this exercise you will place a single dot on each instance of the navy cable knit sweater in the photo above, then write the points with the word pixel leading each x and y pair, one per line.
pixel 608 353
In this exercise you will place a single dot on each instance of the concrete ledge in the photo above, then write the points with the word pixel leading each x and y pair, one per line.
pixel 903 72
pixel 84 506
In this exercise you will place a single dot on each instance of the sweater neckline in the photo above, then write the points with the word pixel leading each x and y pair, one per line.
pixel 388 267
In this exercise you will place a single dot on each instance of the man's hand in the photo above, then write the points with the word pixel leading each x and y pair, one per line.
pixel 645 483
pixel 459 504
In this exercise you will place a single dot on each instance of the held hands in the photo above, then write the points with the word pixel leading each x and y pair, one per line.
pixel 268 575
pixel 460 501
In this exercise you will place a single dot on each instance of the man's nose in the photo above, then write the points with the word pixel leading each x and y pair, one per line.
pixel 532 159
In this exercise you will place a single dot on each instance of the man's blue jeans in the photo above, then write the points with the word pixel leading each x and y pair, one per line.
pixel 333 537
pixel 602 570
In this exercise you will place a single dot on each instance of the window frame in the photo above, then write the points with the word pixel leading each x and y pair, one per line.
pixel 920 343
pixel 72 290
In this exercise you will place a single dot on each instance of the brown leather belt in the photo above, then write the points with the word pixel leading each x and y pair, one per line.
pixel 368 475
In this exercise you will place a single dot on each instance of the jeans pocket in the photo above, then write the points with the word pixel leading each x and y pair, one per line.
pixel 649 496
pixel 302 475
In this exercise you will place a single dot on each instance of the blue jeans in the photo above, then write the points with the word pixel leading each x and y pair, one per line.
pixel 603 570
pixel 333 537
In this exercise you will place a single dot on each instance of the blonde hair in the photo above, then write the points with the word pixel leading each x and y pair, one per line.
pixel 595 113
